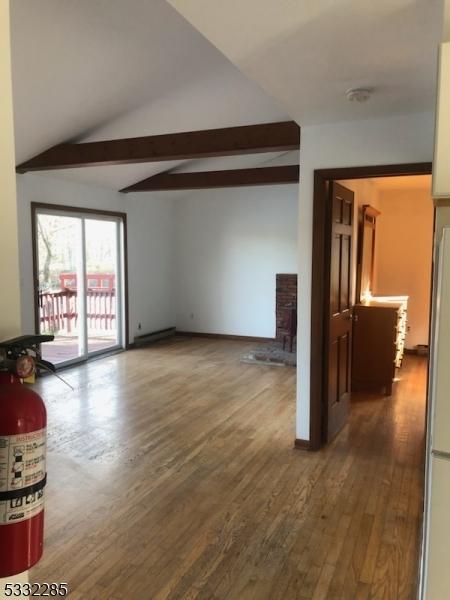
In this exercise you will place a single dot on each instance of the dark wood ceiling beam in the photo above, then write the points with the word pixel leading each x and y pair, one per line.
pixel 216 179
pixel 230 141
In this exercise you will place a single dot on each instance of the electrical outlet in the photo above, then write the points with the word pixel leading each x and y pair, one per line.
pixel 139 326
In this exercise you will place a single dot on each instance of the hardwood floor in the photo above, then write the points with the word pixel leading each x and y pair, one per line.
pixel 172 474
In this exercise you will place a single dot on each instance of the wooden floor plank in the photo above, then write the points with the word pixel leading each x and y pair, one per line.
pixel 172 475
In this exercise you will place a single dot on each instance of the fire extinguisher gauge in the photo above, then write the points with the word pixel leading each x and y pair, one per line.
pixel 25 366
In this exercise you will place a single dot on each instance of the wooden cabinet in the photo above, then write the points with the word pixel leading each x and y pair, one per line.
pixel 379 330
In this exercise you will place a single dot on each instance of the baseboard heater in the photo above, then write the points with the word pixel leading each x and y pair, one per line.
pixel 154 336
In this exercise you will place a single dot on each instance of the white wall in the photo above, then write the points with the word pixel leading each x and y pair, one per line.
pixel 230 244
pixel 10 324
pixel 150 245
pixel 9 259
pixel 220 266
pixel 399 139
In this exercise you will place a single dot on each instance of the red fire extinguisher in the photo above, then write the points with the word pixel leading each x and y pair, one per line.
pixel 23 475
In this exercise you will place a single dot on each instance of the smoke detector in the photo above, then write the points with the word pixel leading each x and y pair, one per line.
pixel 358 94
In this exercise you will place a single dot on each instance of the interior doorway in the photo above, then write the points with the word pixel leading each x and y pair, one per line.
pixel 80 281
pixel 330 373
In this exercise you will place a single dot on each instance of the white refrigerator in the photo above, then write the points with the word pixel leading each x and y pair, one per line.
pixel 435 580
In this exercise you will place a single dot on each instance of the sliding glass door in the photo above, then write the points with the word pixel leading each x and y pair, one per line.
pixel 79 277
pixel 59 246
pixel 102 300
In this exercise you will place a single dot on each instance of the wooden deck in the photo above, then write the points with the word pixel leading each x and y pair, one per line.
pixel 172 474
pixel 65 347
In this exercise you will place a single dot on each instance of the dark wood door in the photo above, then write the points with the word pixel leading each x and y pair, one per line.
pixel 338 381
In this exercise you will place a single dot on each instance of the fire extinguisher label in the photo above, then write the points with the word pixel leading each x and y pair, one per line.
pixel 22 469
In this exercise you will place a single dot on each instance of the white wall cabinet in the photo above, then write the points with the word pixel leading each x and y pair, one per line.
pixel 441 164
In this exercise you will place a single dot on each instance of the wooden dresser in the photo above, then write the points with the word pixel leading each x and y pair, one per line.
pixel 379 331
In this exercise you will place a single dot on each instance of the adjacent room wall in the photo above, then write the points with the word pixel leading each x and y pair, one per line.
pixel 403 253
pixel 404 243
pixel 394 140
pixel 230 244
pixel 150 245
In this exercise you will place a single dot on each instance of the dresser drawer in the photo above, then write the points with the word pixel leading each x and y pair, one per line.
pixel 379 333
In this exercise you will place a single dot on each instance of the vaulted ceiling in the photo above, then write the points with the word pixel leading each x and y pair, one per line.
pixel 307 53
pixel 89 70
pixel 86 70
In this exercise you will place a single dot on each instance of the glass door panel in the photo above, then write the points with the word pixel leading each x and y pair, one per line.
pixel 59 254
pixel 102 284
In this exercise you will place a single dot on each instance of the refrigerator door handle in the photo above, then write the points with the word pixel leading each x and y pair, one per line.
pixel 440 454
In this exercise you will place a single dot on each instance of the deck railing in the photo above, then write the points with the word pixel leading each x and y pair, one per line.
pixel 58 311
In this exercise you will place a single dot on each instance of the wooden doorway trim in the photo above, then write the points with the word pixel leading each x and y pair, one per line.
pixel 320 276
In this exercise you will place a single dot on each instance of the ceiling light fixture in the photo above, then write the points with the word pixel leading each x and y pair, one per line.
pixel 358 94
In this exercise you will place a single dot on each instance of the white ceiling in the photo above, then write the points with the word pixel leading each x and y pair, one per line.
pixel 307 53
pixel 102 69
pixel 98 69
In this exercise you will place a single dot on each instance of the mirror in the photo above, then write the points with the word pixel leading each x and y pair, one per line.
pixel 366 252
